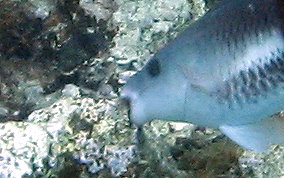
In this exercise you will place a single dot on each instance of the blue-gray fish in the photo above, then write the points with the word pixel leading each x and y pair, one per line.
pixel 225 71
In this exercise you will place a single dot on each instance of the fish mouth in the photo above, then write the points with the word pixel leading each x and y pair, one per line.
pixel 135 106
pixel 126 102
pixel 128 98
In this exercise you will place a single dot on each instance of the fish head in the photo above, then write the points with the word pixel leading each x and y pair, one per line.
pixel 156 92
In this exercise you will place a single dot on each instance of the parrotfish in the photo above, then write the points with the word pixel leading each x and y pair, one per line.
pixel 224 71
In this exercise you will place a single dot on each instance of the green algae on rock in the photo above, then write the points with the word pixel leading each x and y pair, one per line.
pixel 268 164
pixel 36 146
pixel 37 42
pixel 183 150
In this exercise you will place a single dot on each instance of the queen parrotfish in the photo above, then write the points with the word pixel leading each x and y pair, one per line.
pixel 224 71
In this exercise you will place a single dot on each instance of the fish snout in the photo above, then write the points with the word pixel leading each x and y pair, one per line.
pixel 135 105
pixel 125 100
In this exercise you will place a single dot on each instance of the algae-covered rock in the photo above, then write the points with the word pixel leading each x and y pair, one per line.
pixel 268 164
pixel 42 45
pixel 145 26
pixel 102 9
pixel 22 147
pixel 184 150
pixel 74 126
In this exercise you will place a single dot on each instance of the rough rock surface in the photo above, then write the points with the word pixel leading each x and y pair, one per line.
pixel 268 164
pixel 85 128
pixel 74 125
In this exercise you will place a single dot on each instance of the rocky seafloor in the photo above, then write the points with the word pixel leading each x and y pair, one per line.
pixel 63 64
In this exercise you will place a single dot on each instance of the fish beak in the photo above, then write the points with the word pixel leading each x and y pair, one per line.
pixel 135 105
pixel 125 101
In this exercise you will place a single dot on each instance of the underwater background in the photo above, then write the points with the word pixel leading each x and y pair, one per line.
pixel 62 65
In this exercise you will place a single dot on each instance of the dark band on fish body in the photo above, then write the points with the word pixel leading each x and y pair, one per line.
pixel 248 85
pixel 234 37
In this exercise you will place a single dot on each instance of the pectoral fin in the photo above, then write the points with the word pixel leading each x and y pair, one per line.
pixel 257 136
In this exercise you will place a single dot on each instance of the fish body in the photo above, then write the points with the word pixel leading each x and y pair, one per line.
pixel 225 71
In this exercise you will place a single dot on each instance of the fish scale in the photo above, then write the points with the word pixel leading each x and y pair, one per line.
pixel 225 71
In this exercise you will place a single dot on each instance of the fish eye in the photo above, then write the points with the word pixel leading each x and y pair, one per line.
pixel 153 67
